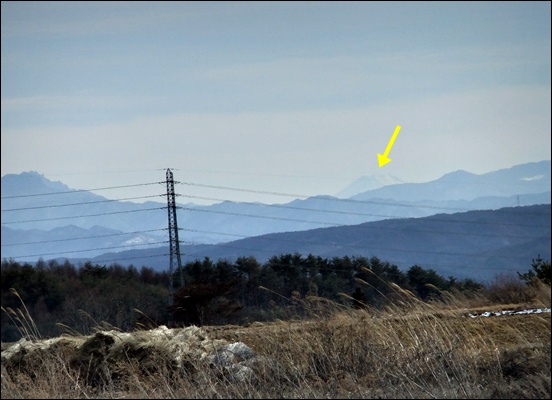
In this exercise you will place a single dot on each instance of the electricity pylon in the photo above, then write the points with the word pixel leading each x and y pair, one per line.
pixel 174 244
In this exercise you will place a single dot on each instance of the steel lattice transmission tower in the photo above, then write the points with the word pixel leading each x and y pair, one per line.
pixel 174 244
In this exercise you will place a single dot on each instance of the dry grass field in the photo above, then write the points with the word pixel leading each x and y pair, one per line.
pixel 411 349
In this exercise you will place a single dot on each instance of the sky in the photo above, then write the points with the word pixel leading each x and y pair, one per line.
pixel 281 97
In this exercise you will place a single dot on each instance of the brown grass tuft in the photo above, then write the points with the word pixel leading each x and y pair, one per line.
pixel 410 349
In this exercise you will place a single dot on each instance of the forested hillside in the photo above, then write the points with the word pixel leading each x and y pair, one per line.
pixel 64 297
pixel 475 244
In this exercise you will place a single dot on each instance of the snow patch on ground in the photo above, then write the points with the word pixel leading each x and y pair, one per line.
pixel 510 312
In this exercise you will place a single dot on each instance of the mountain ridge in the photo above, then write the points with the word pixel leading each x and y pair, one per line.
pixel 456 185
pixel 28 182
pixel 223 222
pixel 478 244
pixel 367 182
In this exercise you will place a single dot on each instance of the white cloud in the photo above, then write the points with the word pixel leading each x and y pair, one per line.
pixel 533 178
pixel 477 131
pixel 261 90
pixel 70 102
pixel 92 18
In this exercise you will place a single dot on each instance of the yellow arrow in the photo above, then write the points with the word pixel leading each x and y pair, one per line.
pixel 382 158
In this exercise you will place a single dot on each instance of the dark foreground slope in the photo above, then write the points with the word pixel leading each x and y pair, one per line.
pixel 474 244
pixel 429 352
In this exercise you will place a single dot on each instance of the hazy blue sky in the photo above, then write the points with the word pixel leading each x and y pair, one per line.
pixel 287 96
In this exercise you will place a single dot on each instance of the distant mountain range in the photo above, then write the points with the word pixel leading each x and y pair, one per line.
pixel 365 183
pixel 530 178
pixel 36 221
pixel 473 244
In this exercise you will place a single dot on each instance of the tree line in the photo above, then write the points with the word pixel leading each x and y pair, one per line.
pixel 64 298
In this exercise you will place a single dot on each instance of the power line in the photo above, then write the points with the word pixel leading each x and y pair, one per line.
pixel 296 220
pixel 82 238
pixel 258 216
pixel 353 247
pixel 325 198
pixel 340 177
pixel 285 206
pixel 271 251
pixel 402 229
pixel 292 241
pixel 250 215
pixel 340 224
pixel 80 216
pixel 329 198
pixel 86 250
pixel 195 257
pixel 82 203
pixel 79 190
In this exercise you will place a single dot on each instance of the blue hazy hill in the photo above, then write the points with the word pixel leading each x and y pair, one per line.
pixel 459 191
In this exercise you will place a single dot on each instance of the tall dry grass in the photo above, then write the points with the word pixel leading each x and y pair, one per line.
pixel 22 319
pixel 410 349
